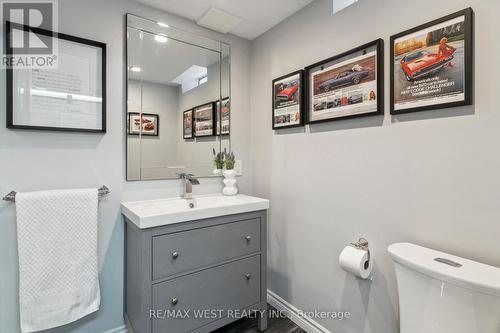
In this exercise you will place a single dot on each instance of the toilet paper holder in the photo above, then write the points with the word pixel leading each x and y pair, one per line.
pixel 362 244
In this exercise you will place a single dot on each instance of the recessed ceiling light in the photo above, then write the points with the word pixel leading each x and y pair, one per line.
pixel 161 24
pixel 135 68
pixel 161 39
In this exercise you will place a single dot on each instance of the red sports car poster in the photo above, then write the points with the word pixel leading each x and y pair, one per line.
pixel 431 64
pixel 287 101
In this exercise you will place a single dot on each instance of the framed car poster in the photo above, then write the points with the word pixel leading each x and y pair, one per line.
pixel 223 116
pixel 147 125
pixel 187 124
pixel 288 96
pixel 204 120
pixel 431 65
pixel 348 85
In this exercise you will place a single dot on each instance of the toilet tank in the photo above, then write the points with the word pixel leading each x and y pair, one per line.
pixel 442 293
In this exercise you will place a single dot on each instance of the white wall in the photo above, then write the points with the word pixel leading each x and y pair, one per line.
pixel 34 160
pixel 431 178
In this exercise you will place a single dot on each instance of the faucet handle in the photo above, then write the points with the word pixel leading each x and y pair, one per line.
pixel 185 175
pixel 194 181
pixel 189 177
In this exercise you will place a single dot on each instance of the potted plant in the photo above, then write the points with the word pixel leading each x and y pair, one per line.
pixel 218 162
pixel 229 174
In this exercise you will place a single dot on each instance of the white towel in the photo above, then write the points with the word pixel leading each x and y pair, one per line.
pixel 58 265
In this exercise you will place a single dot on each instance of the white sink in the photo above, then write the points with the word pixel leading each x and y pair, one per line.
pixel 154 213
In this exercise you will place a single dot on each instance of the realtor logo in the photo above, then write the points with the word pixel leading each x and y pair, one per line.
pixel 29 33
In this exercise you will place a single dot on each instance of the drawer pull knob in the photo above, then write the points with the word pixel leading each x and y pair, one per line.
pixel 175 255
pixel 174 301
pixel 248 276
pixel 248 238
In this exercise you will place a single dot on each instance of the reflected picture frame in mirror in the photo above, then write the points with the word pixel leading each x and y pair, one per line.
pixel 223 116
pixel 187 124
pixel 143 124
pixel 204 120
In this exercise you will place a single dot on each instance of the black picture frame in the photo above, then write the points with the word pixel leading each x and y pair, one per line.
pixel 152 115
pixel 219 120
pixel 184 126
pixel 378 46
pixel 300 99
pixel 195 120
pixel 10 74
pixel 468 55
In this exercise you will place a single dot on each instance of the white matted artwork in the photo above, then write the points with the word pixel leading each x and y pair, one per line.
pixel 68 97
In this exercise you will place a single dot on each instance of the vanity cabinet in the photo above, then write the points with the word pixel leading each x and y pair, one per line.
pixel 196 276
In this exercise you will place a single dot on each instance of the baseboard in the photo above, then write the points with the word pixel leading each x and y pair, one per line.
pixel 119 329
pixel 307 324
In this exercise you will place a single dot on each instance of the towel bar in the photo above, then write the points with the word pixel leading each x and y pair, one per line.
pixel 101 192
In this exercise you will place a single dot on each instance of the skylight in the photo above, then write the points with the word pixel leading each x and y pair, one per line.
pixel 192 78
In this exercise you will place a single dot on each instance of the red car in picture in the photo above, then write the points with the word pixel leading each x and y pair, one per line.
pixel 149 126
pixel 288 91
pixel 421 63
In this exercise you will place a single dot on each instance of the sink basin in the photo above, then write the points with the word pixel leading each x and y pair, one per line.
pixel 154 213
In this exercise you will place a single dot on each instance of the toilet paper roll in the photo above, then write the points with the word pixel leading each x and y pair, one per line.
pixel 355 261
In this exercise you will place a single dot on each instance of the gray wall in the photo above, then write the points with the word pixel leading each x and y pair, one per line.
pixel 161 156
pixel 33 160
pixel 197 153
pixel 153 153
pixel 431 178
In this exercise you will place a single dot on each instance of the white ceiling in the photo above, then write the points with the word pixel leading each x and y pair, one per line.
pixel 163 62
pixel 258 15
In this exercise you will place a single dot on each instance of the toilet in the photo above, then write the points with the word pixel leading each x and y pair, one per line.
pixel 442 293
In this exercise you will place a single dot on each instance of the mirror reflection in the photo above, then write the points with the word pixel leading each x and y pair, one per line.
pixel 178 102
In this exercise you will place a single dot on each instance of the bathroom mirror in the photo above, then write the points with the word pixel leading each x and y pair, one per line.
pixel 178 101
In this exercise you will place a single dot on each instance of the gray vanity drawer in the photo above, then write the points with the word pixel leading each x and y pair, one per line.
pixel 189 250
pixel 227 287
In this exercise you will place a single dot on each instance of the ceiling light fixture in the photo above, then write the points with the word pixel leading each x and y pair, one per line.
pixel 135 68
pixel 338 5
pixel 161 39
pixel 161 24
pixel 219 20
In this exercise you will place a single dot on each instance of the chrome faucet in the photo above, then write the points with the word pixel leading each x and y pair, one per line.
pixel 188 181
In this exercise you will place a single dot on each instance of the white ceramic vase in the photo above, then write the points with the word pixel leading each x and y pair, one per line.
pixel 217 171
pixel 229 182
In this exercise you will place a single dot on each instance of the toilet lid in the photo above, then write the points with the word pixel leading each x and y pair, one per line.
pixel 446 267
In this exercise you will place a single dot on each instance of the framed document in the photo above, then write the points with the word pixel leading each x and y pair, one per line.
pixel 70 96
